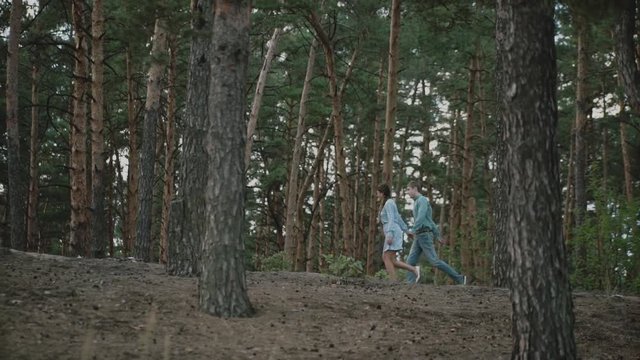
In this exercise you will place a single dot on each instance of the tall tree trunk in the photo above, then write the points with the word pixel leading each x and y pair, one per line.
pixel 375 176
pixel 257 97
pixel 580 145
pixel 315 230
pixel 188 212
pixel 392 93
pixel 222 287
pixel 16 180
pixel 167 191
pixel 624 32
pixel 98 219
pixel 133 174
pixel 142 248
pixel 336 116
pixel 33 238
pixel 291 228
pixel 468 160
pixel 542 306
pixel 79 238
pixel 626 159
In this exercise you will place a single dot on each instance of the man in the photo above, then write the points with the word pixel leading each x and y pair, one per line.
pixel 425 232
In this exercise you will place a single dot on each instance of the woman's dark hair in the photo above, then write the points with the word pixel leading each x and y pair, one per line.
pixel 385 190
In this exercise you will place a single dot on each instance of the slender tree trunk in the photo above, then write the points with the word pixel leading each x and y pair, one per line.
pixel 142 248
pixel 582 109
pixel 468 160
pixel 257 97
pixel 291 228
pixel 16 180
pixel 98 219
pixel 79 238
pixel 133 174
pixel 315 230
pixel 33 238
pixel 626 157
pixel 375 176
pixel 543 319
pixel 392 93
pixel 455 210
pixel 222 287
pixel 336 116
pixel 167 192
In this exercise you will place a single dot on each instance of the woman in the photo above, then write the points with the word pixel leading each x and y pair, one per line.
pixel 393 226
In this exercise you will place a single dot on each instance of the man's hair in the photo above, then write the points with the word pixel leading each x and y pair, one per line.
pixel 415 184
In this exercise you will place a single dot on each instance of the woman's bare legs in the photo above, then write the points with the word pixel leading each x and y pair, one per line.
pixel 391 262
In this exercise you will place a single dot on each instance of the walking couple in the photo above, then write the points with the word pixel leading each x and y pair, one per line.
pixel 424 232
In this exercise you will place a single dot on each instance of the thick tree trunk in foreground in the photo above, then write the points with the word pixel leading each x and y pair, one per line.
pixel 222 287
pixel 188 221
pixel 543 317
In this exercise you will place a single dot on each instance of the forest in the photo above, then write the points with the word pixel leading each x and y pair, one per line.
pixel 109 153
pixel 299 216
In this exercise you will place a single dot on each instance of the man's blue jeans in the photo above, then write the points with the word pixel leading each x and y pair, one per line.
pixel 423 244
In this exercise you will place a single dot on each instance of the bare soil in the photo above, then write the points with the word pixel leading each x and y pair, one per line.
pixel 65 308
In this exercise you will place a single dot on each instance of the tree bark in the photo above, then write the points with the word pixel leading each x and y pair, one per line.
pixel 142 248
pixel 292 227
pixel 626 161
pixel 257 97
pixel 133 175
pixel 468 160
pixel 624 31
pixel 374 208
pixel 33 238
pixel 16 180
pixel 79 237
pixel 542 320
pixel 98 219
pixel 188 213
pixel 392 93
pixel 222 287
pixel 167 191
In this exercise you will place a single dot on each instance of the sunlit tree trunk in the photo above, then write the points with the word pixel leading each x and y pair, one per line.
pixel 98 219
pixel 292 228
pixel 542 307
pixel 257 97
pixel 79 237
pixel 392 93
pixel 33 238
pixel 142 249
pixel 167 191
pixel 222 287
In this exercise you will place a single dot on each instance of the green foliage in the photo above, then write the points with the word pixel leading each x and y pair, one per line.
pixel 344 266
pixel 275 262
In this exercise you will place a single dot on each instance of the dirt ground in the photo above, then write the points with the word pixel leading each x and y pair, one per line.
pixel 65 308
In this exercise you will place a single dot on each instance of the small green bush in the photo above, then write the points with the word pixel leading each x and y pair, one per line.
pixel 275 262
pixel 343 266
